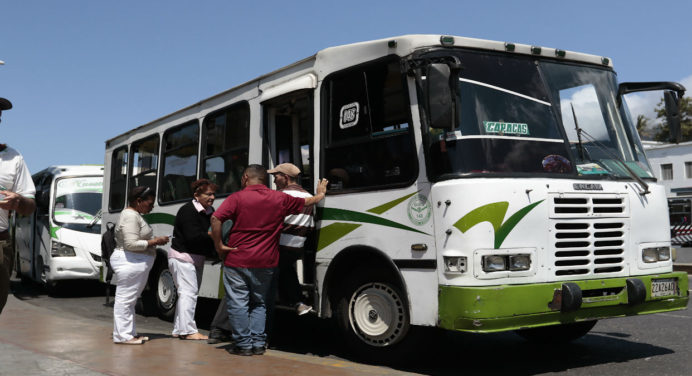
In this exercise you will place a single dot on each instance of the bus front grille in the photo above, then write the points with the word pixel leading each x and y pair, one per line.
pixel 584 205
pixel 588 247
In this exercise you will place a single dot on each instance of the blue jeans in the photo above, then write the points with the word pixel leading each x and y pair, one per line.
pixel 247 289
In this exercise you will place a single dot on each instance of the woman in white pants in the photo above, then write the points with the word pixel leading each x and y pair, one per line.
pixel 189 248
pixel 131 261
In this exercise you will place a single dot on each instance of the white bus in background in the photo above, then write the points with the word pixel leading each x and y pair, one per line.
pixel 475 185
pixel 61 240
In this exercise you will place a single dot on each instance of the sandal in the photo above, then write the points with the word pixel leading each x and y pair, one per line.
pixel 193 337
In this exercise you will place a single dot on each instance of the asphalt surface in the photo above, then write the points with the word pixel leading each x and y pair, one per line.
pixel 636 346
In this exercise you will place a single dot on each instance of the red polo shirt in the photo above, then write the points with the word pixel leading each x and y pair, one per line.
pixel 258 215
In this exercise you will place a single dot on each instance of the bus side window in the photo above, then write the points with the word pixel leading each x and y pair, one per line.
pixel 225 147
pixel 179 162
pixel 369 144
pixel 145 161
pixel 116 197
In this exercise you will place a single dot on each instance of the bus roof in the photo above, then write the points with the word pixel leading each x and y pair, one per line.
pixel 61 170
pixel 338 57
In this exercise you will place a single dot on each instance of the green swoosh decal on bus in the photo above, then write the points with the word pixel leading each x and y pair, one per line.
pixel 159 218
pixel 383 208
pixel 494 213
pixel 335 231
pixel 353 216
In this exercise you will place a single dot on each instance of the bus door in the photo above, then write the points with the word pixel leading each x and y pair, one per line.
pixel 288 124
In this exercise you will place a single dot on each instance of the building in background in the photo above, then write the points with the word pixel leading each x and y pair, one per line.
pixel 672 165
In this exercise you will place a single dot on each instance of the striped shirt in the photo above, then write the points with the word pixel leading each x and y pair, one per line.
pixel 297 226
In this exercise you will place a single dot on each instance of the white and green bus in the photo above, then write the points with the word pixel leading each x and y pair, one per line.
pixel 475 186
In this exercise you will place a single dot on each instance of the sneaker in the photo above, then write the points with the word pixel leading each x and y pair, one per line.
pixel 302 309
pixel 218 336
pixel 258 350
pixel 242 351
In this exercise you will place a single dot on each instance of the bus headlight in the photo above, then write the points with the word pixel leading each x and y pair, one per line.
pixel 655 254
pixel 455 264
pixel 58 249
pixel 519 262
pixel 494 263
pixel 663 254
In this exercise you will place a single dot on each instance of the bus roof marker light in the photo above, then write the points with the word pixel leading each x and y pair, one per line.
pixel 391 44
pixel 605 61
pixel 447 40
pixel 509 47
pixel 535 50
pixel 560 53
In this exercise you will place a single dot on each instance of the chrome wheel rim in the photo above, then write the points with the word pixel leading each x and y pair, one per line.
pixel 377 314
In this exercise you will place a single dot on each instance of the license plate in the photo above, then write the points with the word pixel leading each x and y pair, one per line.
pixel 664 287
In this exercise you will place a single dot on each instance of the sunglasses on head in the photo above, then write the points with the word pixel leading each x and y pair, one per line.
pixel 144 192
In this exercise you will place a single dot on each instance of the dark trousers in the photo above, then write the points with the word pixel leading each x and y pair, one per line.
pixel 221 317
pixel 289 287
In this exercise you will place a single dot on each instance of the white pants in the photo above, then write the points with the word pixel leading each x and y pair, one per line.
pixel 187 279
pixel 131 270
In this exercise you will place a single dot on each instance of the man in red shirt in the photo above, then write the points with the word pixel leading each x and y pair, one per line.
pixel 252 254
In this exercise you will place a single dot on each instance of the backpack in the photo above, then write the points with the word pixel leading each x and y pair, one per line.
pixel 107 248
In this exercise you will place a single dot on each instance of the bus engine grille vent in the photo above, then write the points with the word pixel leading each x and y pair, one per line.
pixel 585 248
pixel 571 206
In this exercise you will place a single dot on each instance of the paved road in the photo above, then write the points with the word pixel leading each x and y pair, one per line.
pixel 648 345
pixel 684 255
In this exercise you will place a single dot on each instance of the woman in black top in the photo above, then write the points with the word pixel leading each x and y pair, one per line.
pixel 190 246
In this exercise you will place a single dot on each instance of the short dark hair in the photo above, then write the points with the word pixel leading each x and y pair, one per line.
pixel 141 191
pixel 256 171
pixel 199 185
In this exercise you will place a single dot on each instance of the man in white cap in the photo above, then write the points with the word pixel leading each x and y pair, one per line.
pixel 16 193
pixel 296 229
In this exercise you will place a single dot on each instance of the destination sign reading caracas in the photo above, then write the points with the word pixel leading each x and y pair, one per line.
pixel 506 128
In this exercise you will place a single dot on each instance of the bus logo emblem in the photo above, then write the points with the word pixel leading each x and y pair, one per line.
pixel 419 210
pixel 349 115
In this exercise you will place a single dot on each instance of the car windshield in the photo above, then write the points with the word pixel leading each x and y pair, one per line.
pixel 77 202
pixel 519 115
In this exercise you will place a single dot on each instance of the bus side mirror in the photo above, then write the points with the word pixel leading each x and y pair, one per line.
pixel 672 103
pixel 441 90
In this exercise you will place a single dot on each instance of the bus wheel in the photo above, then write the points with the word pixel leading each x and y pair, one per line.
pixel 562 333
pixel 162 294
pixel 373 315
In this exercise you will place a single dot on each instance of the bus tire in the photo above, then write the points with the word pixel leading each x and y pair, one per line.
pixel 161 296
pixel 373 315
pixel 561 333
pixel 51 287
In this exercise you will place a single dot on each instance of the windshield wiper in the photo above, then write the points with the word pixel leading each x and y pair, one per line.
pixel 642 183
pixel 576 127
pixel 97 217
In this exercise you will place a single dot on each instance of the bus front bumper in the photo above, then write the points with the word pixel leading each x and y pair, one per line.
pixel 510 307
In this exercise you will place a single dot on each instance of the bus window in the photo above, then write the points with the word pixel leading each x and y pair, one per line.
pixel 226 146
pixel 145 160
pixel 369 143
pixel 179 162
pixel 116 198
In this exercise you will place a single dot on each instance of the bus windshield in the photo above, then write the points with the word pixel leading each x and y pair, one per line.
pixel 77 201
pixel 519 115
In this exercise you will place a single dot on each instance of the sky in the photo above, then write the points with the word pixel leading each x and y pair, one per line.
pixel 79 72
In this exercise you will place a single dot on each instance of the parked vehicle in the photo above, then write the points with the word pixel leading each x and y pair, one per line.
pixel 475 185
pixel 61 240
